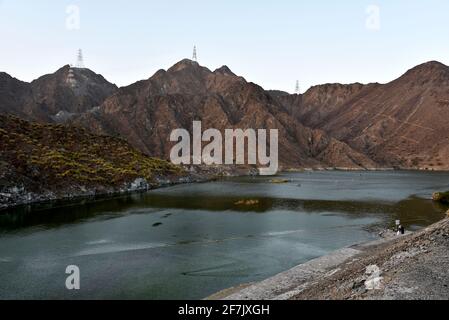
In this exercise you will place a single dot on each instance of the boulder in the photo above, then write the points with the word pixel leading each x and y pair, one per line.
pixel 442 197
pixel 374 281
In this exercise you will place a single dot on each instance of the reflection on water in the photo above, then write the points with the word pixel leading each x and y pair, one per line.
pixel 413 211
pixel 189 241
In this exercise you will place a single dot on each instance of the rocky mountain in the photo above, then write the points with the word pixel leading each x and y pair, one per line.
pixel 404 123
pixel 399 124
pixel 54 97
pixel 146 112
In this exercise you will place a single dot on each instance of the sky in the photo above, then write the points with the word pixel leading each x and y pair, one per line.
pixel 271 43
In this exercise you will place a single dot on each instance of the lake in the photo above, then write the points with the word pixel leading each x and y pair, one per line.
pixel 190 241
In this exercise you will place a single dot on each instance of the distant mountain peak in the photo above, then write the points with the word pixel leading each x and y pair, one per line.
pixel 4 75
pixel 432 64
pixel 431 69
pixel 66 68
pixel 67 90
pixel 184 64
pixel 225 71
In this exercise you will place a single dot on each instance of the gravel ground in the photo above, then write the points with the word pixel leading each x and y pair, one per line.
pixel 414 267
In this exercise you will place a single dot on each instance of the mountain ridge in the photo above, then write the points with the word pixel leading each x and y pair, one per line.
pixel 146 112
pixel 330 125
pixel 402 123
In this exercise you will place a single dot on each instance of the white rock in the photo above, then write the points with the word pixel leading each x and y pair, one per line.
pixel 372 269
pixel 374 281
pixel 139 184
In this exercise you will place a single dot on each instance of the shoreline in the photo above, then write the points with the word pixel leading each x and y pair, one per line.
pixel 388 268
pixel 279 286
pixel 46 198
pixel 43 199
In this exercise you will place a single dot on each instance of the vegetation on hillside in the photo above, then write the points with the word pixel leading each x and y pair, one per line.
pixel 58 155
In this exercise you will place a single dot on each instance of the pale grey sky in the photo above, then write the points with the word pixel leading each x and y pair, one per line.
pixel 272 43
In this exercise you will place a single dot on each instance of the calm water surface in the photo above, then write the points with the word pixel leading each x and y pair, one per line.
pixel 189 241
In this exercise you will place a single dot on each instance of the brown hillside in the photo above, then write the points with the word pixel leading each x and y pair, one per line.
pixel 146 112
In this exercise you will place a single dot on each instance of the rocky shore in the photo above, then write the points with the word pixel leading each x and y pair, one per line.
pixel 413 268
pixel 19 195
pixel 410 267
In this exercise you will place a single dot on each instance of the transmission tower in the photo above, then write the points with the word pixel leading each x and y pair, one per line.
pixel 297 89
pixel 195 57
pixel 80 60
